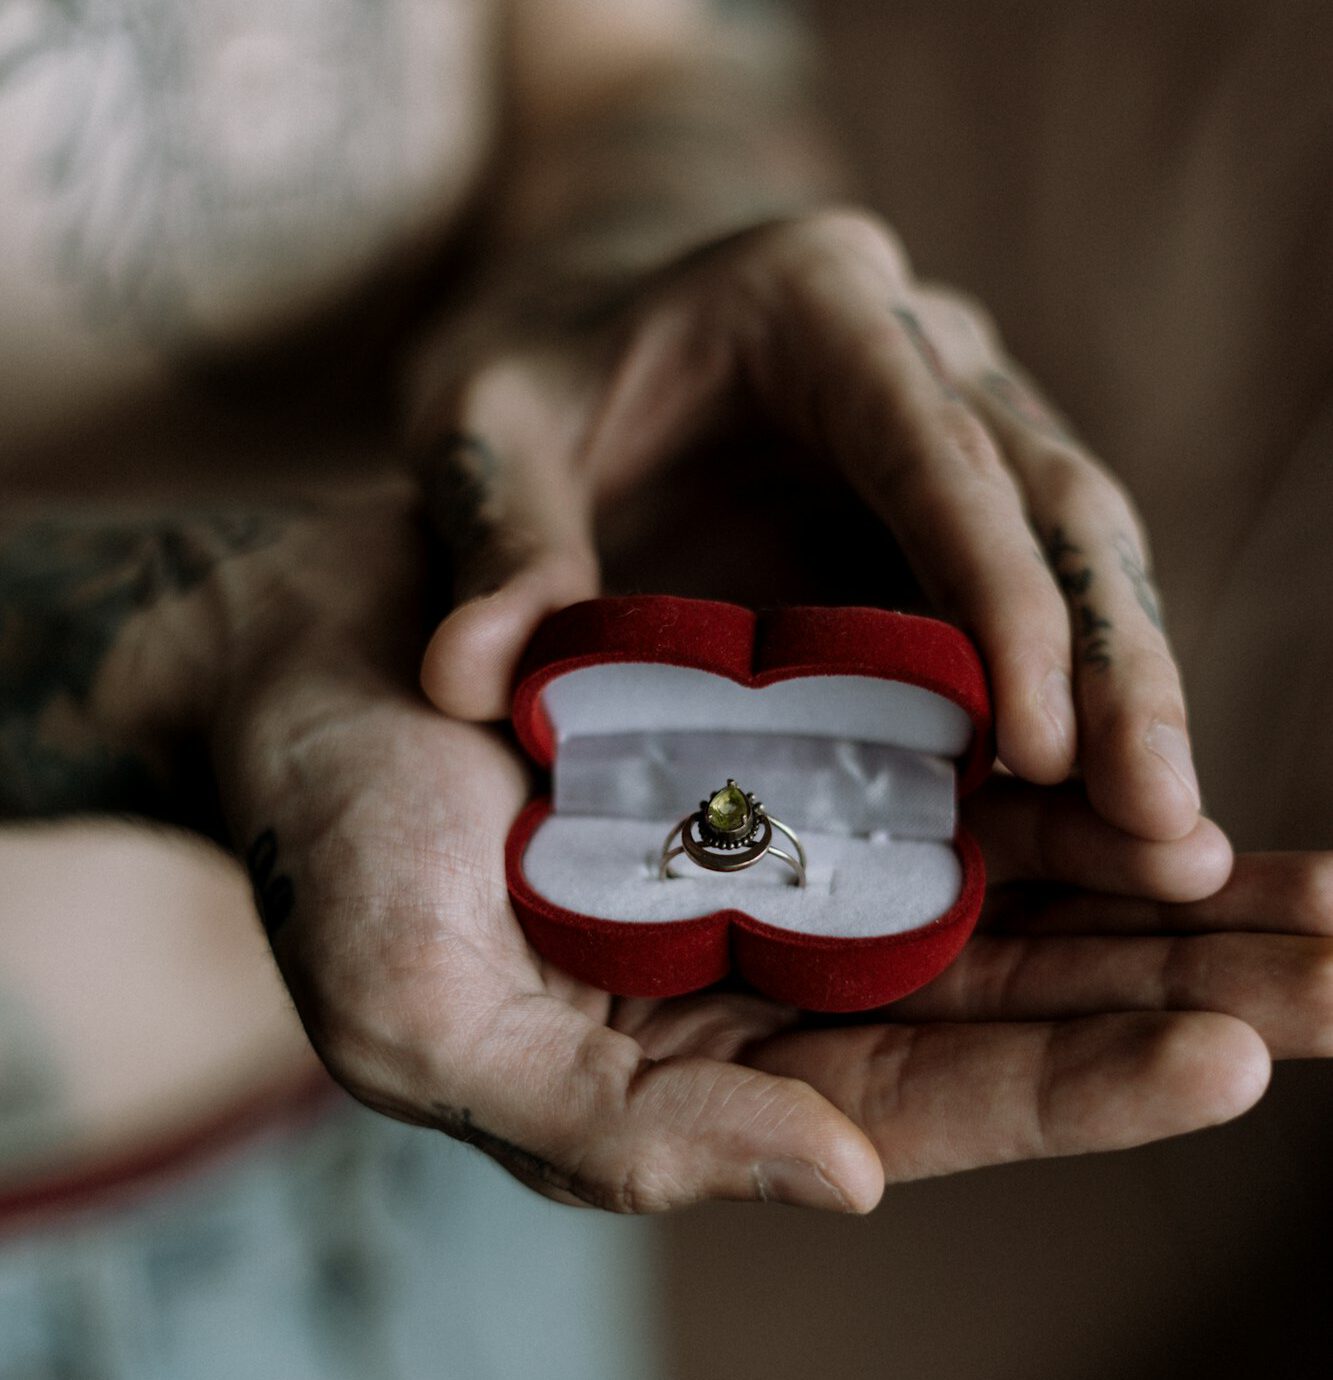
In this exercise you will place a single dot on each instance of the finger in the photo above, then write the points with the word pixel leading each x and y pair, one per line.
pixel 1133 738
pixel 1272 893
pixel 1054 835
pixel 468 668
pixel 580 1110
pixel 1280 985
pixel 936 1099
pixel 848 365
pixel 512 484
pixel 516 528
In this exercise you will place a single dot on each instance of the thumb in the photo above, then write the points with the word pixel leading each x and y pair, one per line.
pixel 518 536
pixel 575 1110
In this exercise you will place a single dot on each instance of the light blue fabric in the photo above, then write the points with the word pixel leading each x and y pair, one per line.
pixel 359 1248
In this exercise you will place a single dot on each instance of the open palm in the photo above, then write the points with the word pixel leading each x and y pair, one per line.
pixel 1075 1020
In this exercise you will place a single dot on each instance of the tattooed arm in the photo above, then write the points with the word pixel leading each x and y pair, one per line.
pixel 115 628
pixel 110 639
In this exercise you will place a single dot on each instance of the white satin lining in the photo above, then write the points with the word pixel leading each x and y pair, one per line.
pixel 830 785
pixel 861 768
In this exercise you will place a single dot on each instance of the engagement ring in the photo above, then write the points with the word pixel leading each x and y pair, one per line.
pixel 729 832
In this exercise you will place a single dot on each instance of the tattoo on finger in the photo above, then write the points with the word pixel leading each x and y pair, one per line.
pixel 462 477
pixel 458 1122
pixel 1094 646
pixel 925 348
pixel 1075 577
pixel 1140 579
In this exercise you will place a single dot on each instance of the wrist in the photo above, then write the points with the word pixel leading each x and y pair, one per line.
pixel 328 624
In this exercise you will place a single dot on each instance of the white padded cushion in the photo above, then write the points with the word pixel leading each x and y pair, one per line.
pixel 861 767
pixel 637 697
pixel 831 784
pixel 858 887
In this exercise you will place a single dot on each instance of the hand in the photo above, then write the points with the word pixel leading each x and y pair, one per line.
pixel 817 326
pixel 1076 1020
pixel 375 829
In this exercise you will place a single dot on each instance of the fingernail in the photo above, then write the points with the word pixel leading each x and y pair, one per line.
pixel 799 1183
pixel 1171 745
pixel 1057 700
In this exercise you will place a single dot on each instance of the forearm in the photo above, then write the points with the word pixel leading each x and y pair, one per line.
pixel 111 645
pixel 675 148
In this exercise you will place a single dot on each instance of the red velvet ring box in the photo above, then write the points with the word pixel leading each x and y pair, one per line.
pixel 857 727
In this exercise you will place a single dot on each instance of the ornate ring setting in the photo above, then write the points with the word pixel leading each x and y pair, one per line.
pixel 729 832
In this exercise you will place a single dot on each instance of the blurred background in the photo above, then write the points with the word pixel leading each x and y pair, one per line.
pixel 1140 193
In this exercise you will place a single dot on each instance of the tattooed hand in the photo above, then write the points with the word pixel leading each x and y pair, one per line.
pixel 373 830
pixel 1078 1019
pixel 816 326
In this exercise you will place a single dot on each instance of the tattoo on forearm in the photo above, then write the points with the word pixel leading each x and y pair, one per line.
pixel 1075 576
pixel 275 896
pixel 457 1122
pixel 1140 579
pixel 68 587
pixel 925 348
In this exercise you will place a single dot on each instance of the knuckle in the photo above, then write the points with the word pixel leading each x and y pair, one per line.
pixel 1155 679
pixel 1079 487
pixel 1317 992
pixel 636 1188
pixel 499 387
pixel 1313 890
pixel 954 312
pixel 857 229
pixel 1032 635
pixel 1063 478
pixel 1123 723
pixel 968 438
pixel 1113 502
pixel 1026 614
pixel 608 1064
pixel 842 232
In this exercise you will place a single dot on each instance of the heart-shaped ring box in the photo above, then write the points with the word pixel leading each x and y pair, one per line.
pixel 857 727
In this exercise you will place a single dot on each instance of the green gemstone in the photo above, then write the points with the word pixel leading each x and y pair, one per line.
pixel 728 808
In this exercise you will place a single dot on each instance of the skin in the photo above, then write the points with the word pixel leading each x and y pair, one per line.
pixel 372 824
pixel 1089 1033
pixel 381 885
pixel 635 347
